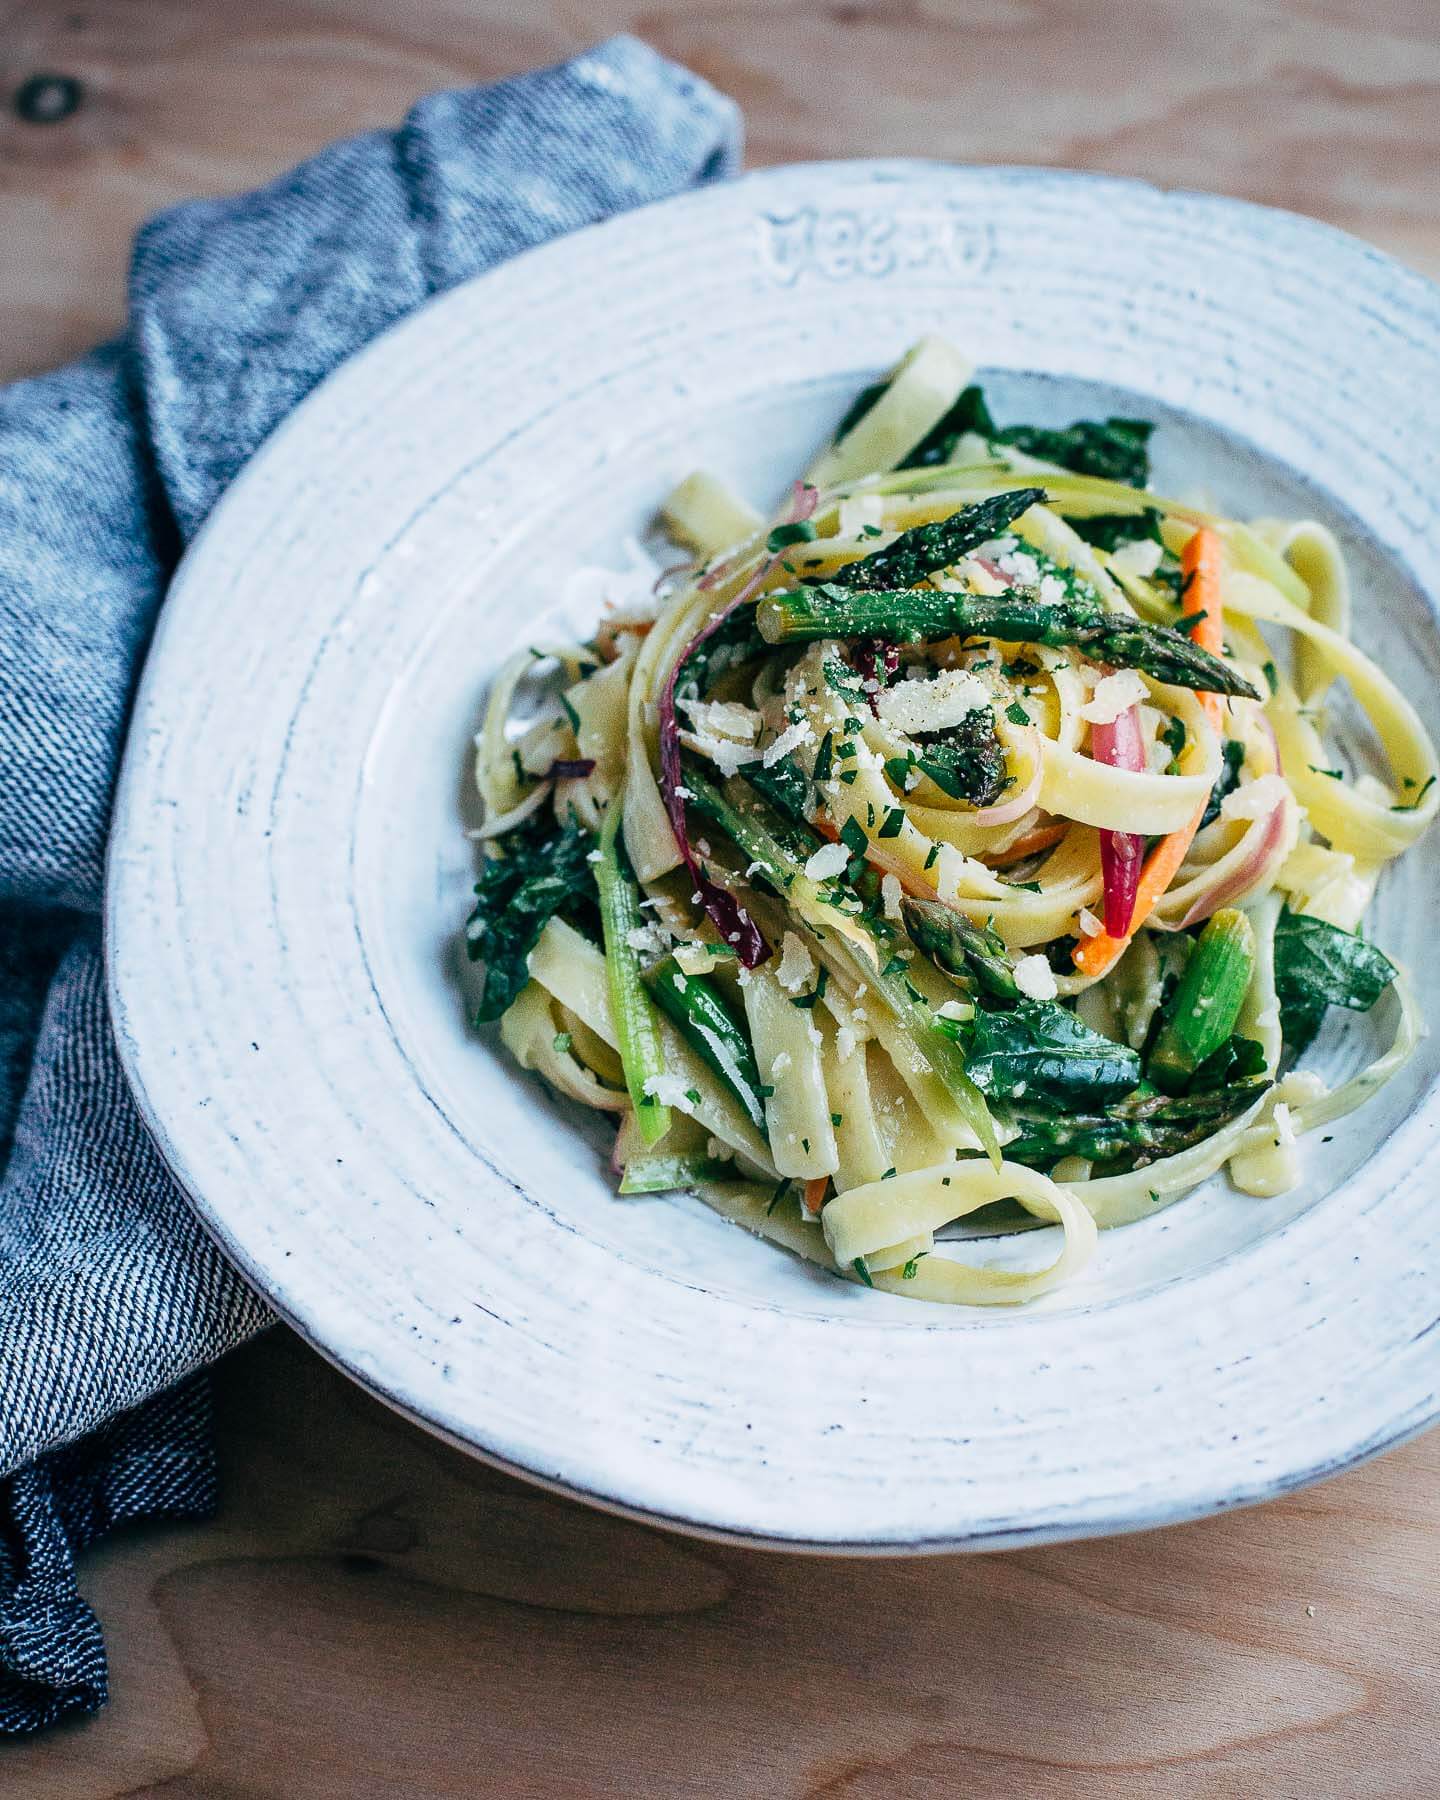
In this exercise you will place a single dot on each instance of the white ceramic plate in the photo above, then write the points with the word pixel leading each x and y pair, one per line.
pixel 289 874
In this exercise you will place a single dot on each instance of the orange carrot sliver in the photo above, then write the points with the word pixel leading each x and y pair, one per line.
pixel 815 1193
pixel 1201 563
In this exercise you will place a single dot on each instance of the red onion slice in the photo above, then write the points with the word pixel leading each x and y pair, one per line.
pixel 1269 835
pixel 1122 853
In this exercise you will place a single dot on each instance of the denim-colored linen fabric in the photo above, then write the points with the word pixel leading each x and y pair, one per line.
pixel 109 1293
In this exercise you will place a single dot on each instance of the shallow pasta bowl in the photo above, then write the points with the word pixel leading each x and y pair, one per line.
pixel 289 872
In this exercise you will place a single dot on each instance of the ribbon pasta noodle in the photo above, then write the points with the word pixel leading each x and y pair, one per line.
pixel 964 842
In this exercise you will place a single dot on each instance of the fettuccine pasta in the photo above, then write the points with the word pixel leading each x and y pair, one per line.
pixel 961 843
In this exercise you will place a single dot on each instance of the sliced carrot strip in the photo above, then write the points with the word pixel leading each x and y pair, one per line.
pixel 1202 564
pixel 815 1193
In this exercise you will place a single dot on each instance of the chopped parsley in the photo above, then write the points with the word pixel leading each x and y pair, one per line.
pixel 801 532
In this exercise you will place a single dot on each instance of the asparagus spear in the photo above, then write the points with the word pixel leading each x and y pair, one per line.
pixel 971 953
pixel 661 1174
pixel 925 548
pixel 1020 617
pixel 636 1028
pixel 1207 1002
pixel 700 1014
pixel 1143 1127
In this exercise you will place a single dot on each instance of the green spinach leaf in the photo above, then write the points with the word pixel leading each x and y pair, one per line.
pixel 1108 531
pixel 1232 760
pixel 1315 960
pixel 1041 1053
pixel 1317 966
pixel 1113 449
pixel 543 872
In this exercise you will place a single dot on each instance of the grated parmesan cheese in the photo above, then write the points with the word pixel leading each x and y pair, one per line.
pixel 1035 978
pixel 725 719
pixel 846 1043
pixel 649 940
pixel 791 738
pixel 953 1009
pixel 890 893
pixel 1114 694
pixel 1089 925
pixel 796 964
pixel 670 1090
pixel 727 756
pixel 1255 799
pixel 860 510
pixel 1139 557
pixel 949 868
pixel 1020 566
pixel 933 705
pixel 828 860
pixel 694 958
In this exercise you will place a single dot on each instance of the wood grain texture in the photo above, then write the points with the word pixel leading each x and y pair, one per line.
pixel 1325 106
pixel 374 1615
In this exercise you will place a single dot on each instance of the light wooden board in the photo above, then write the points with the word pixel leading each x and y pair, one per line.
pixel 1326 106
pixel 374 1615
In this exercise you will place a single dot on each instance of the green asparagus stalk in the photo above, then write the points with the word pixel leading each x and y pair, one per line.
pixel 1018 617
pixel 637 1030
pixel 973 954
pixel 749 832
pixel 663 1174
pixel 1144 1127
pixel 1206 1004
pixel 700 1014
pixel 925 548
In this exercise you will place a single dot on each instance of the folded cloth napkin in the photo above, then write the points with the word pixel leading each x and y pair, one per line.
pixel 111 1299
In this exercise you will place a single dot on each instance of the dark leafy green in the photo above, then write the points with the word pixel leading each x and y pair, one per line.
pixel 1114 449
pixel 969 413
pixel 968 761
pixel 784 785
pixel 734 641
pixel 1107 531
pixel 858 408
pixel 1041 1054
pixel 1111 449
pixel 1232 760
pixel 1300 1022
pixel 1237 1059
pixel 1317 966
pixel 543 872
pixel 1315 960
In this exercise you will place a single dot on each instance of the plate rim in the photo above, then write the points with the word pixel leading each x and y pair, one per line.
pixel 1204 1499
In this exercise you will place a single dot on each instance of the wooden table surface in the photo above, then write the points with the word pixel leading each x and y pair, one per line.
pixel 373 1615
